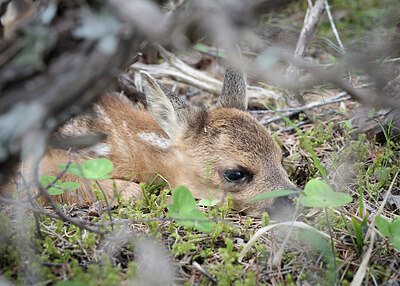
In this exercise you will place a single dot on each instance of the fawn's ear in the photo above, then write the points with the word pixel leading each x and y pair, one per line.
pixel 168 110
pixel 234 90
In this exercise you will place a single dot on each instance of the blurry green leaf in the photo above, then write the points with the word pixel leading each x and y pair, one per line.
pixel 320 194
pixel 46 180
pixel 184 210
pixel 70 186
pixel 272 194
pixel 371 113
pixel 207 203
pixel 331 58
pixel 94 169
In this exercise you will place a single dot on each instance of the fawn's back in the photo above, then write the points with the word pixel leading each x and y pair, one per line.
pixel 212 152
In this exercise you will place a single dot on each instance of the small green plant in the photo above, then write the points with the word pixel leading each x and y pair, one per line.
pixel 94 169
pixel 316 194
pixel 59 187
pixel 184 210
pixel 390 229
pixel 207 203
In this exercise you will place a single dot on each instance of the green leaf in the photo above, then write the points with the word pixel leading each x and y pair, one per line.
pixel 94 169
pixel 46 180
pixel 383 226
pixel 207 203
pixel 272 194
pixel 97 169
pixel 396 227
pixel 72 169
pixel 371 113
pixel 200 47
pixel 183 199
pixel 184 210
pixel 320 194
pixel 358 232
pixel 70 186
pixel 396 242
pixel 331 58
pixel 201 222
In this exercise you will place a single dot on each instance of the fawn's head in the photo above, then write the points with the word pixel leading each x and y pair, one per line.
pixel 223 150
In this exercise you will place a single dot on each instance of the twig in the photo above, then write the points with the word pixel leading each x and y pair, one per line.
pixel 338 98
pixel 276 261
pixel 335 32
pixel 78 222
pixel 310 22
pixel 263 230
pixel 381 207
pixel 178 70
pixel 202 270
pixel 291 128
pixel 362 270
pixel 107 205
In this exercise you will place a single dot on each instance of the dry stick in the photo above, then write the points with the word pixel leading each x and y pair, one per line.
pixel 276 261
pixel 177 69
pixel 335 32
pixel 310 22
pixel 362 270
pixel 381 207
pixel 202 270
pixel 338 98
pixel 333 76
pixel 107 205
pixel 360 274
pixel 263 230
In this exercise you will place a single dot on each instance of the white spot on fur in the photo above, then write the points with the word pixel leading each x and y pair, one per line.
pixel 102 113
pixel 124 124
pixel 100 149
pixel 75 127
pixel 155 140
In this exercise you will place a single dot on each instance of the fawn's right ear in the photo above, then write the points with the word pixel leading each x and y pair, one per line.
pixel 234 90
pixel 168 110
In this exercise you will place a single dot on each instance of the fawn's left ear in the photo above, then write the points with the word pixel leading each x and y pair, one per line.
pixel 168 110
pixel 234 90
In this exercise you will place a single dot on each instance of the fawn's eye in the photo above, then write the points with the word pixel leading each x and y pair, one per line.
pixel 237 175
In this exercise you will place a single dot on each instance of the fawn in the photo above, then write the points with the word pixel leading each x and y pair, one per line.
pixel 181 141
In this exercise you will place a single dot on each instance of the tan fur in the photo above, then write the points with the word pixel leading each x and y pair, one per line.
pixel 179 141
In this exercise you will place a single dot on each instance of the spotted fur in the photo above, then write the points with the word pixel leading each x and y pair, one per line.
pixel 181 142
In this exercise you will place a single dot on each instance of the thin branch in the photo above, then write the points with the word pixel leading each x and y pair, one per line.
pixel 338 98
pixel 311 20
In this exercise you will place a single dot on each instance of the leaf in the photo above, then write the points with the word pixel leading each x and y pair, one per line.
pixel 200 48
pixel 46 180
pixel 97 169
pixel 383 226
pixel 184 210
pixel 331 58
pixel 207 203
pixel 72 169
pixel 320 194
pixel 94 169
pixel 272 194
pixel 183 199
pixel 70 186
pixel 396 227
pixel 201 222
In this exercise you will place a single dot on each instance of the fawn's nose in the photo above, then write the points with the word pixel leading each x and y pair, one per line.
pixel 283 208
